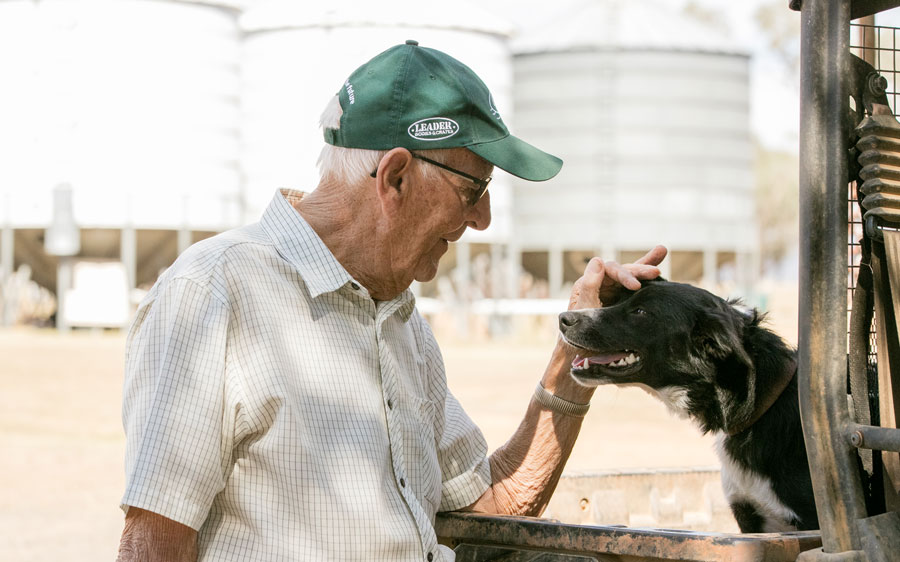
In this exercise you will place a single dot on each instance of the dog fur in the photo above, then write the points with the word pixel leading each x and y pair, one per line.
pixel 713 362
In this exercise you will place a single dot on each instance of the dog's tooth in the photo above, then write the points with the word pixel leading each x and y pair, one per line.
pixel 630 359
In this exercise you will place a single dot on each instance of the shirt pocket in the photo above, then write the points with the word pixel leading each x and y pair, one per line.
pixel 420 450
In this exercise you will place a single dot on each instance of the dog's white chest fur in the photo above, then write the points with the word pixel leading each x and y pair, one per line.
pixel 740 484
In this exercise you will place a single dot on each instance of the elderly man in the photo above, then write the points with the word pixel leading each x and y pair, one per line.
pixel 284 400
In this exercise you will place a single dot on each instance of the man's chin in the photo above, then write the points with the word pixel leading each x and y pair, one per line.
pixel 424 276
pixel 427 268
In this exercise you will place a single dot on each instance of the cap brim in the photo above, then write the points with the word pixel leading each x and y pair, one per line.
pixel 519 158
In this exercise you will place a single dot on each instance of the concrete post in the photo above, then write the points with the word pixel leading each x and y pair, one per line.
pixel 463 279
pixel 128 255
pixel 513 270
pixel 7 263
pixel 710 265
pixel 743 265
pixel 184 233
pixel 498 288
pixel 665 268
pixel 63 284
pixel 184 239
pixel 555 273
pixel 607 253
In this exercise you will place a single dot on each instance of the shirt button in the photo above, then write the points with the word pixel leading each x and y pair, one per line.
pixel 390 404
pixel 402 483
pixel 430 557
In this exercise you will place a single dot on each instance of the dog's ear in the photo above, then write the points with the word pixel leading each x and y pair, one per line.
pixel 718 337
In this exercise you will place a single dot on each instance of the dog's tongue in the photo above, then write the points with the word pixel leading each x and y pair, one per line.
pixel 604 359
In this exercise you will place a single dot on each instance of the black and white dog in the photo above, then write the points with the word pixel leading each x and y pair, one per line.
pixel 714 363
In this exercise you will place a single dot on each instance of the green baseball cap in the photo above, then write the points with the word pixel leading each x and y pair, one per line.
pixel 419 98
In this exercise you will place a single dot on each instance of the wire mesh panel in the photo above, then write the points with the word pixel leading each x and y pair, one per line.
pixel 877 45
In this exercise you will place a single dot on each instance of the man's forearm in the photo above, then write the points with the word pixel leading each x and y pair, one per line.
pixel 525 471
pixel 149 537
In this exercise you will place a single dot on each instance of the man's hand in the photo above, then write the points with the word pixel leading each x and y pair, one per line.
pixel 602 282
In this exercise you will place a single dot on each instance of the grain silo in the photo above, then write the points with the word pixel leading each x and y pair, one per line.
pixel 649 108
pixel 120 123
pixel 297 55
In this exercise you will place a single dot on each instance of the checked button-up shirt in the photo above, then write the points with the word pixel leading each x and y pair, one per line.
pixel 273 406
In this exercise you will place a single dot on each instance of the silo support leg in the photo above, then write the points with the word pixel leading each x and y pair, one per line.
pixel 7 247
pixel 128 255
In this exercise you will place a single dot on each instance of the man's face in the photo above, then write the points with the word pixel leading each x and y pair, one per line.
pixel 440 212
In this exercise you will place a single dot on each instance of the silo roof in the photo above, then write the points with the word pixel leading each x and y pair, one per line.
pixel 268 15
pixel 618 24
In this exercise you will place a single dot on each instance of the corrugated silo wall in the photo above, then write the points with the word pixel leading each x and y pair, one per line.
pixel 657 150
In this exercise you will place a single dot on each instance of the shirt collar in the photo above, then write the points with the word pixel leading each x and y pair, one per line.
pixel 297 242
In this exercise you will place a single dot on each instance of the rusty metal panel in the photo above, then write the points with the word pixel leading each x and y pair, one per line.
pixel 486 534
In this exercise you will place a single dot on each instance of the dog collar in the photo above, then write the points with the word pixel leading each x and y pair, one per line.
pixel 768 399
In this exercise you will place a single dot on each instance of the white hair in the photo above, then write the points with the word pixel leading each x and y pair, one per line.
pixel 352 165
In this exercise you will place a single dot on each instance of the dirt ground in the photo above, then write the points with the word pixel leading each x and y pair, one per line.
pixel 61 433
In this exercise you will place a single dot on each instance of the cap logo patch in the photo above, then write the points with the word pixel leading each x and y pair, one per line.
pixel 491 104
pixel 433 128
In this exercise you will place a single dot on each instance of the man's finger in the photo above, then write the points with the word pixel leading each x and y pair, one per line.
pixel 643 272
pixel 594 272
pixel 593 265
pixel 586 292
pixel 622 276
pixel 654 256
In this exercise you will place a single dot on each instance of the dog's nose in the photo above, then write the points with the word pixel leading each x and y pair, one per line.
pixel 567 320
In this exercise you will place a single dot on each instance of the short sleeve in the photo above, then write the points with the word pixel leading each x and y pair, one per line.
pixel 173 405
pixel 462 453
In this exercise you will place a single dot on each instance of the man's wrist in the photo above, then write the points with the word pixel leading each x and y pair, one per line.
pixel 558 404
pixel 558 379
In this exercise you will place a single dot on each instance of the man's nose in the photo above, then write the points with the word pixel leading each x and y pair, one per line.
pixel 480 214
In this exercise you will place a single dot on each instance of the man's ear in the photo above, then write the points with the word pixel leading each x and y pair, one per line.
pixel 394 166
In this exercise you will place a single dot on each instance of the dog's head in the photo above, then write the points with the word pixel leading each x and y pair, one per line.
pixel 673 338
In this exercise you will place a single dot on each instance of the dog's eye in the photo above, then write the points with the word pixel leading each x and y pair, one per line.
pixel 639 311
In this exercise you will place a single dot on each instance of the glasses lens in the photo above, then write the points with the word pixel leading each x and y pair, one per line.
pixel 480 185
pixel 479 192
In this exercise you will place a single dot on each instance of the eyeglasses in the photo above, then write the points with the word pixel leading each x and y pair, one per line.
pixel 473 196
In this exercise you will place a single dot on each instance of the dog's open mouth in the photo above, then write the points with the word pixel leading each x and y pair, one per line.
pixel 615 363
